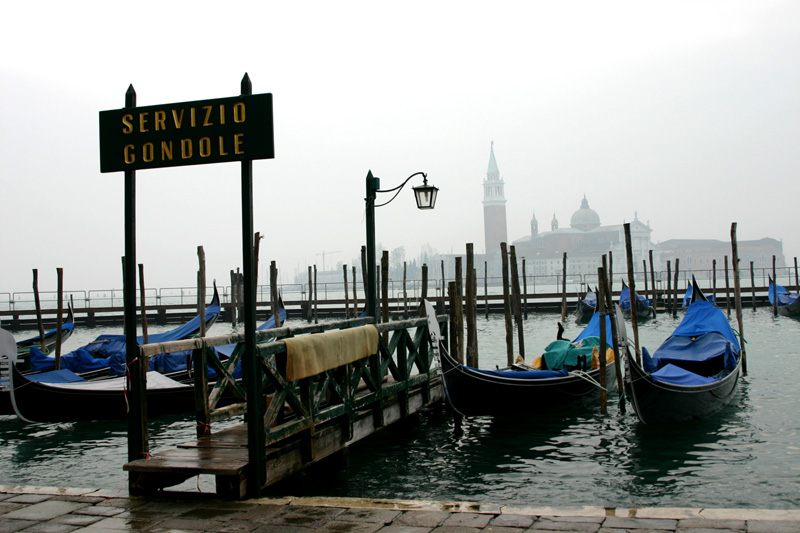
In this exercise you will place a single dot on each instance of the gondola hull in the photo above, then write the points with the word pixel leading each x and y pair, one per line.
pixel 44 402
pixel 475 393
pixel 657 402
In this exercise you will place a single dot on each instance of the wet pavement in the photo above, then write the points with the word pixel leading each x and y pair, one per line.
pixel 51 509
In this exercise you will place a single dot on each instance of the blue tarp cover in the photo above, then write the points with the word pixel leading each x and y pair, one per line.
pixel 590 299
pixel 56 376
pixel 704 333
pixel 784 296
pixel 592 329
pixel 625 299
pixel 524 374
pixel 676 375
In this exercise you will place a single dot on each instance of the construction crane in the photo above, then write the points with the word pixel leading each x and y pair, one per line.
pixel 323 254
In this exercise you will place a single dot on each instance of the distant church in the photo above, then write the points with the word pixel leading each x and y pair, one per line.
pixel 585 241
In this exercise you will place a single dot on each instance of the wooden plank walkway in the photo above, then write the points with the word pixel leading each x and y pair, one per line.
pixel 224 455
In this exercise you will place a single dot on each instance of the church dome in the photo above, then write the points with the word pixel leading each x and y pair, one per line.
pixel 585 218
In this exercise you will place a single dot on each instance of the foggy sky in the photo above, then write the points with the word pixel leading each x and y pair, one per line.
pixel 686 113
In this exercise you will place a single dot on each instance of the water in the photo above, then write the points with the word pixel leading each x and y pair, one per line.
pixel 746 457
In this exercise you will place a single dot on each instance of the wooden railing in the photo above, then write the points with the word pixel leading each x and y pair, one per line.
pixel 403 363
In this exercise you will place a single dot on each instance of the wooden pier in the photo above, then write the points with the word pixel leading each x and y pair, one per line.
pixel 326 387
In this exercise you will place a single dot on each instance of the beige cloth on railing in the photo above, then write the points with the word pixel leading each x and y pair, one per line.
pixel 309 355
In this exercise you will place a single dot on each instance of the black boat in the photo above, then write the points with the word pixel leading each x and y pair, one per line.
pixel 693 374
pixel 523 389
pixel 586 307
pixel 104 356
pixel 644 307
pixel 788 302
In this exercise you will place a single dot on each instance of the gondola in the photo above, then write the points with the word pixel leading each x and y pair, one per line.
pixel 522 389
pixel 687 297
pixel 108 351
pixel 644 307
pixel 51 336
pixel 586 307
pixel 693 374
pixel 64 396
pixel 788 302
pixel 105 355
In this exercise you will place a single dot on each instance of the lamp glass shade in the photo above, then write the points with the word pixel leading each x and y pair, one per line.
pixel 425 196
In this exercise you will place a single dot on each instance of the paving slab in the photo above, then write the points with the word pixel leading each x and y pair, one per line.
pixel 46 510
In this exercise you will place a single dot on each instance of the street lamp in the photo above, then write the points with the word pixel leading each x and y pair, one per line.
pixel 425 196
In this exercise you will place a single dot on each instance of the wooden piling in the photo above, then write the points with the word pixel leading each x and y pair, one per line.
pixel 653 281
pixel 675 289
pixel 668 299
pixel 486 289
pixel 796 277
pixel 714 279
pixel 385 290
pixel 346 293
pixel 421 311
pixel 753 285
pixel 459 324
pixel 471 311
pixel 644 274
pixel 524 290
pixel 38 304
pixel 273 294
pixel 632 290
pixel 610 272
pixel 405 291
pixel 727 289
pixel 737 294
pixel 507 307
pixel 455 318
pixel 234 297
pixel 355 294
pixel 201 293
pixel 605 292
pixel 441 299
pixel 60 315
pixel 601 303
pixel 517 299
pixel 564 287
pixel 310 304
pixel 316 298
pixel 775 282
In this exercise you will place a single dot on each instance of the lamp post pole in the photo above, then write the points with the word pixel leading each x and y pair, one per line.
pixel 373 184
pixel 425 196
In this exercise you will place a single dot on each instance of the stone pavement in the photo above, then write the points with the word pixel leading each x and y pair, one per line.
pixel 50 509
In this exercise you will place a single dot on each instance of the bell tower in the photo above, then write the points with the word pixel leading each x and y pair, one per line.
pixel 494 207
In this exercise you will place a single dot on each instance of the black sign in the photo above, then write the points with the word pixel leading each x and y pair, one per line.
pixel 187 133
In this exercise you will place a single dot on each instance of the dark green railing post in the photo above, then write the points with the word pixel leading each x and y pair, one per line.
pixel 256 433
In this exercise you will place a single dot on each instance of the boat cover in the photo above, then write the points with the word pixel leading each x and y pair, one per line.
pixel 564 354
pixel 524 374
pixel 154 381
pixel 56 376
pixel 625 299
pixel 676 375
pixel 784 296
pixel 592 329
pixel 704 333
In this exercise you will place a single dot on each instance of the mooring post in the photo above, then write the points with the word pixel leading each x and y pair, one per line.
pixel 775 285
pixel 727 289
pixel 201 290
pixel 507 307
pixel 737 294
pixel 632 291
pixel 60 278
pixel 653 282
pixel 674 295
pixel 517 301
pixel 564 287
pixel 601 302
pixel 470 299
pixel 753 285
